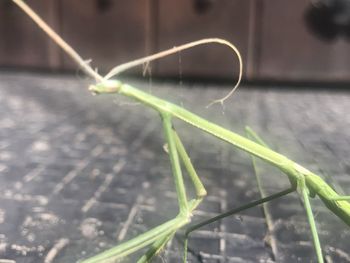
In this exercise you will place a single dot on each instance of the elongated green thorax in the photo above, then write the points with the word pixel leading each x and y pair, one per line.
pixel 316 185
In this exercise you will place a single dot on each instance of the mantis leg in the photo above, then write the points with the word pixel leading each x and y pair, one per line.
pixel 311 219
pixel 251 134
pixel 139 242
pixel 261 201
pixel 305 195
pixel 307 204
pixel 156 248
pixel 200 193
pixel 175 165
pixel 161 234
pixel 232 212
pixel 197 183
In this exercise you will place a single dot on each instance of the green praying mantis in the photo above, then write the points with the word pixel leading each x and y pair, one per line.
pixel 307 183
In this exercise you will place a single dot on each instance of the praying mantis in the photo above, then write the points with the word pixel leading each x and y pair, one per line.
pixel 307 183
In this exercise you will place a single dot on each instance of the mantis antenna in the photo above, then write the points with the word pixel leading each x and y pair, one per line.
pixel 59 41
pixel 123 67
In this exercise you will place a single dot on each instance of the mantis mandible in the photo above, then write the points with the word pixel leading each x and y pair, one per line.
pixel 306 182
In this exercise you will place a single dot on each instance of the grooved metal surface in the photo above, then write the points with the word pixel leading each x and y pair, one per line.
pixel 81 173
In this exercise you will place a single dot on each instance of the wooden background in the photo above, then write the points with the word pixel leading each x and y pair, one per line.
pixel 272 36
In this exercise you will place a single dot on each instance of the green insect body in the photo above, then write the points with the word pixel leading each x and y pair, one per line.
pixel 295 172
pixel 300 178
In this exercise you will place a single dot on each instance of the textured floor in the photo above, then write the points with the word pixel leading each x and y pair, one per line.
pixel 80 173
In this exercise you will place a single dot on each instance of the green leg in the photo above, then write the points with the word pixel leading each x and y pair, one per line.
pixel 269 221
pixel 240 209
pixel 161 234
pixel 197 183
pixel 174 152
pixel 156 248
pixel 185 247
pixel 263 200
pixel 311 219
pixel 232 212
pixel 175 165
pixel 138 242
pixel 307 203
pixel 200 193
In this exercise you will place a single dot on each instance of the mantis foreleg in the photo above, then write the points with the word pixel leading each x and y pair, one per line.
pixel 162 232
pixel 200 193
pixel 139 242
pixel 166 231
pixel 197 183
pixel 175 165
pixel 156 248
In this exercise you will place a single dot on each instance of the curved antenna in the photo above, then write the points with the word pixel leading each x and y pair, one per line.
pixel 123 67
pixel 118 69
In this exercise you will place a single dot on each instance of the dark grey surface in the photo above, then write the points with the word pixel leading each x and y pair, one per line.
pixel 79 173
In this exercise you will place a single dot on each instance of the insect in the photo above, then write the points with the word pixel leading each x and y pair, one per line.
pixel 301 179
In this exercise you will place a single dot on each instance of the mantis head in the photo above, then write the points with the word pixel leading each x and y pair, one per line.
pixel 107 86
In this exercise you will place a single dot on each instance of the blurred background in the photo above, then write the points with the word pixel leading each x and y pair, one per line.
pixel 81 173
pixel 280 40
